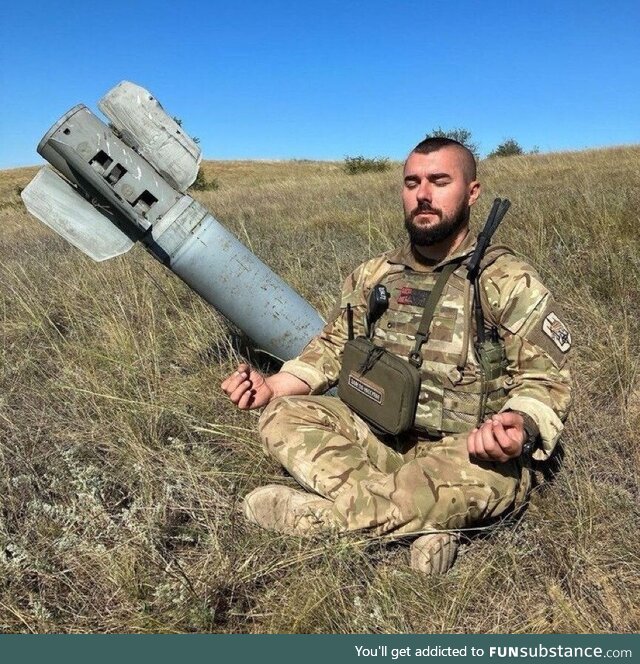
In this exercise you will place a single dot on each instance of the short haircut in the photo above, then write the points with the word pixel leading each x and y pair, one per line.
pixel 435 143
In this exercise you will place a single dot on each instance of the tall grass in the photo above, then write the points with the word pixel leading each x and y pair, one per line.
pixel 122 465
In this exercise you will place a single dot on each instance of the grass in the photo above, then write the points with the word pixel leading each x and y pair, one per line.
pixel 122 465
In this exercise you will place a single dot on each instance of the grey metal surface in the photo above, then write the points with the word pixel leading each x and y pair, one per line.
pixel 87 152
pixel 143 123
pixel 51 199
pixel 210 259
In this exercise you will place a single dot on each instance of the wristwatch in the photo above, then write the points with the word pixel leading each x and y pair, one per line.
pixel 532 434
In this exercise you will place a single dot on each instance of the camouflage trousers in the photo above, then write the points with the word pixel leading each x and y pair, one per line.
pixel 434 485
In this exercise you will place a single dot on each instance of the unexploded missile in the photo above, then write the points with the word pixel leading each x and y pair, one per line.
pixel 125 182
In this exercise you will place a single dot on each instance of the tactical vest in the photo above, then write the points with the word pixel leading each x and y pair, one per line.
pixel 455 393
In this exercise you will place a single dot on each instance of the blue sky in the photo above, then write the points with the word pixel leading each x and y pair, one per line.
pixel 281 79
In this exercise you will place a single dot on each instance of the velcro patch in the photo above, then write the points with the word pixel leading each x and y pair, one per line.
pixel 550 333
pixel 366 388
pixel 415 297
pixel 557 331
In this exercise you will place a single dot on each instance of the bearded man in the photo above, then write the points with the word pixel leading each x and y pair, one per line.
pixel 464 458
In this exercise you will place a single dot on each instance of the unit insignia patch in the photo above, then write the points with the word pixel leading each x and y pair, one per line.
pixel 415 297
pixel 557 331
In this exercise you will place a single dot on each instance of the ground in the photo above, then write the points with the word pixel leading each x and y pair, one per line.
pixel 122 464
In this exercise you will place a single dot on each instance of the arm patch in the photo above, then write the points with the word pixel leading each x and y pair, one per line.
pixel 551 333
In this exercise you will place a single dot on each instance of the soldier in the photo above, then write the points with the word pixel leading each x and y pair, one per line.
pixel 463 460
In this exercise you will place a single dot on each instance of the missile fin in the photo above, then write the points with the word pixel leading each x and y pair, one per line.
pixel 144 124
pixel 52 200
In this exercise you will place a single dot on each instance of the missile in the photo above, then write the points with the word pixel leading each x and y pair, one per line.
pixel 124 182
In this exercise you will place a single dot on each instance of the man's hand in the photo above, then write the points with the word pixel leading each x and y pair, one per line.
pixel 247 388
pixel 500 438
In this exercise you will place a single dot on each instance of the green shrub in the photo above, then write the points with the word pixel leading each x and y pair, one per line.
pixel 360 164
pixel 202 184
pixel 508 148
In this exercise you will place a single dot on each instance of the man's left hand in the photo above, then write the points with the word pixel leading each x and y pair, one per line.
pixel 500 438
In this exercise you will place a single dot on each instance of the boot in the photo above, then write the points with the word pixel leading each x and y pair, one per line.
pixel 434 553
pixel 286 510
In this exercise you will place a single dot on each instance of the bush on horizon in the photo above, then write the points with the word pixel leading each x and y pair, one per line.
pixel 360 164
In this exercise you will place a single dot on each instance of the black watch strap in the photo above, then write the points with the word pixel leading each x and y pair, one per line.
pixel 532 431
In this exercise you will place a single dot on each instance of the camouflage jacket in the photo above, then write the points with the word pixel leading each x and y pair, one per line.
pixel 536 378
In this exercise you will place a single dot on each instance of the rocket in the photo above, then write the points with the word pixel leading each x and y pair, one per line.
pixel 124 182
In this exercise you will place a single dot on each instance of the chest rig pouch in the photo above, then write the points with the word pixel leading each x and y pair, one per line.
pixel 383 388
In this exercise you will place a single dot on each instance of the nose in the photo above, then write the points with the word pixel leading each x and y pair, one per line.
pixel 423 193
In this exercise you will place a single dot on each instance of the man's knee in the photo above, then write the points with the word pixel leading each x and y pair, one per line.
pixel 284 418
pixel 465 504
pixel 423 495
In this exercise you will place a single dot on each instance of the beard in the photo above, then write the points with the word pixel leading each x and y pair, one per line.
pixel 446 227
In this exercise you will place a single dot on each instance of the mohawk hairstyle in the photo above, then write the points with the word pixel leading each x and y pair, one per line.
pixel 435 143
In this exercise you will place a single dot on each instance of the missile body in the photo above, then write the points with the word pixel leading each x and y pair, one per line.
pixel 125 182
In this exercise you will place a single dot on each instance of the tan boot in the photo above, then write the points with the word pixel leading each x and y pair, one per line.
pixel 434 553
pixel 286 510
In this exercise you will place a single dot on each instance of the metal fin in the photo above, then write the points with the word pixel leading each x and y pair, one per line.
pixel 144 124
pixel 52 200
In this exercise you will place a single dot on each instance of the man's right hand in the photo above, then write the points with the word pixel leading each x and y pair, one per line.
pixel 247 388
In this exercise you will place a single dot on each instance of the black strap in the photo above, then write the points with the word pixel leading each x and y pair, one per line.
pixel 415 356
pixel 490 256
pixel 374 354
pixel 496 215
pixel 474 265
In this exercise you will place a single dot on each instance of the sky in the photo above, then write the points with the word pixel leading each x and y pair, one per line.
pixel 277 79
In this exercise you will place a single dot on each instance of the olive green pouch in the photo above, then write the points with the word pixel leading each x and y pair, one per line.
pixel 381 387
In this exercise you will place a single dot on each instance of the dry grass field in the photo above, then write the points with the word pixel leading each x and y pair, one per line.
pixel 122 465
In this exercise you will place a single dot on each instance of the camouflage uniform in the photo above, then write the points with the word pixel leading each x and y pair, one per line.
pixel 425 478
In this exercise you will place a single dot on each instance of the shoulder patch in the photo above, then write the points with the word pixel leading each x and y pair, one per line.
pixel 550 333
pixel 557 331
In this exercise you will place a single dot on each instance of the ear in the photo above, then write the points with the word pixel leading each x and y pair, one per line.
pixel 474 192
